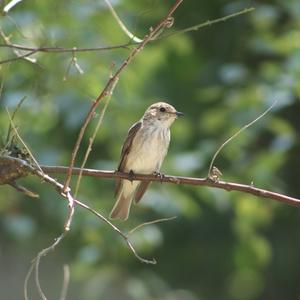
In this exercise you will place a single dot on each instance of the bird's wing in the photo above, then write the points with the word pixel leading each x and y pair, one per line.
pixel 126 149
pixel 127 144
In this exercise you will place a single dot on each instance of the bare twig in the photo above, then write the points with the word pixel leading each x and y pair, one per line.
pixel 37 260
pixel 115 228
pixel 207 23
pixel 55 50
pixel 73 62
pixel 132 55
pixel 21 140
pixel 23 190
pixel 235 135
pixel 17 53
pixel 121 24
pixel 150 223
pixel 10 5
pixel 25 288
pixel 66 281
pixel 35 266
pixel 20 56
pixel 13 116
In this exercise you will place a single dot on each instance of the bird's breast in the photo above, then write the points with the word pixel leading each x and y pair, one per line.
pixel 149 148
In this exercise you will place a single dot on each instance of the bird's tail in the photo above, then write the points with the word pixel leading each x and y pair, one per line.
pixel 124 198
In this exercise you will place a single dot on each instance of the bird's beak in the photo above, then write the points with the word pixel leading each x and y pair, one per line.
pixel 179 114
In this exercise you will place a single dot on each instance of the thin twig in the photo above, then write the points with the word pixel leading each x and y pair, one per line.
pixel 25 288
pixel 65 50
pixel 71 204
pixel 207 23
pixel 121 24
pixel 236 134
pixel 37 259
pixel 18 57
pixel 1 88
pixel 17 53
pixel 150 223
pixel 13 116
pixel 110 83
pixel 10 5
pixel 66 281
pixel 21 140
pixel 35 266
pixel 73 62
pixel 116 229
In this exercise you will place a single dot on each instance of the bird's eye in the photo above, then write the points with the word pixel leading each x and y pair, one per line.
pixel 162 109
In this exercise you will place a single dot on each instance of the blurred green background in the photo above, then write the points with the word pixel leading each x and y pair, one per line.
pixel 222 245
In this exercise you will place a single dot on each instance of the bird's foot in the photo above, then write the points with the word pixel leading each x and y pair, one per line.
pixel 131 175
pixel 159 175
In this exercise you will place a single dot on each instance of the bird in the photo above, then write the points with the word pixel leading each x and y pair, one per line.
pixel 143 152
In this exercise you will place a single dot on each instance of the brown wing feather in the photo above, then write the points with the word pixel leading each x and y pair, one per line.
pixel 140 191
pixel 127 144
pixel 125 150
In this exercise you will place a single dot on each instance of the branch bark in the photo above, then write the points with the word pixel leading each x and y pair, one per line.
pixel 220 184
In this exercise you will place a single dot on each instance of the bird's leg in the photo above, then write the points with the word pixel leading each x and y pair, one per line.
pixel 159 175
pixel 131 175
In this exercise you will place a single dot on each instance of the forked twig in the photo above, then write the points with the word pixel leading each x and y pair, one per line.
pixel 73 62
pixel 17 52
pixel 35 266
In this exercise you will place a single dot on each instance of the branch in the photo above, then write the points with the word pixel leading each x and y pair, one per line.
pixel 164 22
pixel 47 49
pixel 208 23
pixel 228 186
pixel 66 50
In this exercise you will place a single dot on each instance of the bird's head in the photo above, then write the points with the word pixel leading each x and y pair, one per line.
pixel 162 113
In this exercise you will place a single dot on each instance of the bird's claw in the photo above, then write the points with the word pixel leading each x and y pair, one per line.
pixel 159 175
pixel 131 175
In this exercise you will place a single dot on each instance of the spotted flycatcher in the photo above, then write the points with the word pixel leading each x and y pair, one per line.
pixel 143 152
